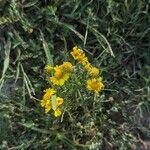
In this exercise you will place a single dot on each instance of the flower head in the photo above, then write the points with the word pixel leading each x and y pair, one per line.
pixel 48 68
pixel 95 85
pixel 67 67
pixel 59 77
pixel 94 72
pixel 76 52
pixel 78 55
pixel 88 66
pixel 48 93
pixel 46 100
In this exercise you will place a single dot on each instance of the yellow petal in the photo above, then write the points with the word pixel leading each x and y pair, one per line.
pixel 48 107
pixel 57 112
pixel 59 101
pixel 48 68
pixel 94 71
pixel 42 102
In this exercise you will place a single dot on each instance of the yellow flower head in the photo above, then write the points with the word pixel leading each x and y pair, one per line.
pixel 95 85
pixel 67 67
pixel 57 112
pixel 78 55
pixel 94 72
pixel 75 53
pixel 46 104
pixel 88 66
pixel 48 68
pixel 84 61
pixel 59 77
pixel 46 101
pixel 48 93
pixel 58 72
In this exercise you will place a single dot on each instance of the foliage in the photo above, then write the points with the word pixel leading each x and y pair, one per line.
pixel 116 37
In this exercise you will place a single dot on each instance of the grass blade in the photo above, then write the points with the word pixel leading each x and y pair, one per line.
pixel 6 60
pixel 49 56
pixel 103 41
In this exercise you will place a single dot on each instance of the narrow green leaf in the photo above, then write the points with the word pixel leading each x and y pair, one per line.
pixel 73 30
pixel 33 127
pixel 48 54
pixel 103 41
pixel 17 72
pixel 6 60
pixel 30 4
pixel 54 102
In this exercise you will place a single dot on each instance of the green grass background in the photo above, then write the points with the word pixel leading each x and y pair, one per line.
pixel 115 34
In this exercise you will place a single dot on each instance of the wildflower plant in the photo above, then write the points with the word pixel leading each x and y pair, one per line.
pixel 63 78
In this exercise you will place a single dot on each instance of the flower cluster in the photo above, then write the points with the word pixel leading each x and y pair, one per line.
pixel 59 74
pixel 95 84
pixel 79 55
pixel 46 102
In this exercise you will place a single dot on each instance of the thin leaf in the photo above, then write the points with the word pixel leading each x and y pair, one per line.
pixel 73 30
pixel 32 127
pixel 6 60
pixel 102 40
pixel 30 4
pixel 54 102
pixel 17 72
pixel 48 54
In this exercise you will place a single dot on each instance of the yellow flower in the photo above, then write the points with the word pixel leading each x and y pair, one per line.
pixel 48 68
pixel 46 101
pixel 48 106
pixel 59 101
pixel 67 67
pixel 94 72
pixel 75 48
pixel 58 72
pixel 48 93
pixel 88 66
pixel 59 77
pixel 95 85
pixel 57 112
pixel 78 55
pixel 84 61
